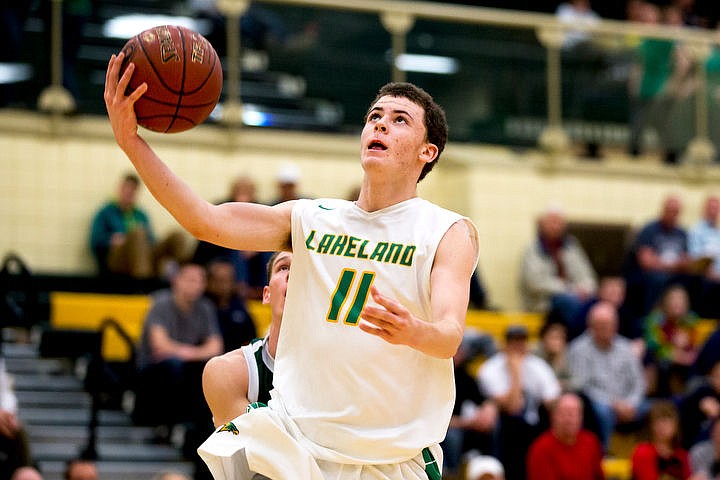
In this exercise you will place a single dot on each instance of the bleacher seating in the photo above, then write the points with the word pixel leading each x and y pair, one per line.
pixel 75 310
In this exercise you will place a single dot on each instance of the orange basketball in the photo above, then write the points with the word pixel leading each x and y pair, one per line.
pixel 183 74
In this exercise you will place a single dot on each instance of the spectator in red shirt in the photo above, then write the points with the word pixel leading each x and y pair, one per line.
pixel 566 451
pixel 662 456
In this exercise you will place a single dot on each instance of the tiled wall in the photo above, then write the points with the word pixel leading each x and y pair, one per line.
pixel 50 186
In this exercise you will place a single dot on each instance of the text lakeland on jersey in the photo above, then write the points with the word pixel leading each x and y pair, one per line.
pixel 354 247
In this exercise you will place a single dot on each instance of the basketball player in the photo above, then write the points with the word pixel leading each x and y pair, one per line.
pixel 243 376
pixel 375 307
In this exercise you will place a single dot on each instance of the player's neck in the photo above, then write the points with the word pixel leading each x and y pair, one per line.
pixel 376 197
pixel 273 332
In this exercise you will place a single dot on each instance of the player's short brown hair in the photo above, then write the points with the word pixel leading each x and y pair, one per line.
pixel 436 125
pixel 271 264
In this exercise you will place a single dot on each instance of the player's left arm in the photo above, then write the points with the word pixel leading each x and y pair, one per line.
pixel 449 292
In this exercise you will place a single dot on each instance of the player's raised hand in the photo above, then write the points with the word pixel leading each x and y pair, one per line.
pixel 393 322
pixel 120 107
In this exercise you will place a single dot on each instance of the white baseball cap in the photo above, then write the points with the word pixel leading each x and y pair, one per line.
pixel 482 465
pixel 288 173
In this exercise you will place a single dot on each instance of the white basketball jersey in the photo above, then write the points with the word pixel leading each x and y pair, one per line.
pixel 354 397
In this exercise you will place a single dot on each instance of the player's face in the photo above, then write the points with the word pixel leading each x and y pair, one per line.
pixel 394 136
pixel 276 289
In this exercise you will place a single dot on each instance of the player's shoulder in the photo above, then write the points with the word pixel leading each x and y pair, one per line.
pixel 230 366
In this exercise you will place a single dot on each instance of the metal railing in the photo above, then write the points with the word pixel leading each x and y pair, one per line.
pixel 401 18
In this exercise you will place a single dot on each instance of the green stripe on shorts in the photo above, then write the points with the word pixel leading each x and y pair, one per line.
pixel 431 466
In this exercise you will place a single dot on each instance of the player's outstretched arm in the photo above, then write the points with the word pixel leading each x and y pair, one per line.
pixel 225 385
pixel 449 283
pixel 239 226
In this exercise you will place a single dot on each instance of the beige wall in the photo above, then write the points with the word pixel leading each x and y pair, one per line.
pixel 53 176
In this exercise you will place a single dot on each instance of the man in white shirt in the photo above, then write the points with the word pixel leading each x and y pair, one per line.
pixel 522 385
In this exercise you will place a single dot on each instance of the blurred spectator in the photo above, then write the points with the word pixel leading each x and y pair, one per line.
pixel 523 386
pixel 660 85
pixel 26 473
pixel 474 419
pixel 236 325
pixel 704 247
pixel 657 258
pixel 287 182
pixel 566 451
pixel 552 347
pixel 661 457
pixel 671 339
pixel 123 242
pixel 80 469
pixel 705 455
pixel 612 290
pixel 687 13
pixel 122 236
pixel 484 467
pixel 179 335
pixel 700 406
pixel 635 11
pixel 575 12
pixel 606 370
pixel 556 274
pixel 249 266
pixel 14 448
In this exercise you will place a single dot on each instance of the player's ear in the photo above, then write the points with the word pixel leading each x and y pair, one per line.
pixel 266 295
pixel 429 152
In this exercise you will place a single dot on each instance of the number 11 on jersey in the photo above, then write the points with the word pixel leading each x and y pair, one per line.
pixel 344 286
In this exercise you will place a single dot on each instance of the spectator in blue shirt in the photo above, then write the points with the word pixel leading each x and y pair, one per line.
pixel 659 257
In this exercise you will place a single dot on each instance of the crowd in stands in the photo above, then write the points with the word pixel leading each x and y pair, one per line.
pixel 621 355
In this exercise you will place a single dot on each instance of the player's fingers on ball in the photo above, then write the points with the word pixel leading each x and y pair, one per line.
pixel 114 69
pixel 124 80
pixel 111 62
pixel 138 92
